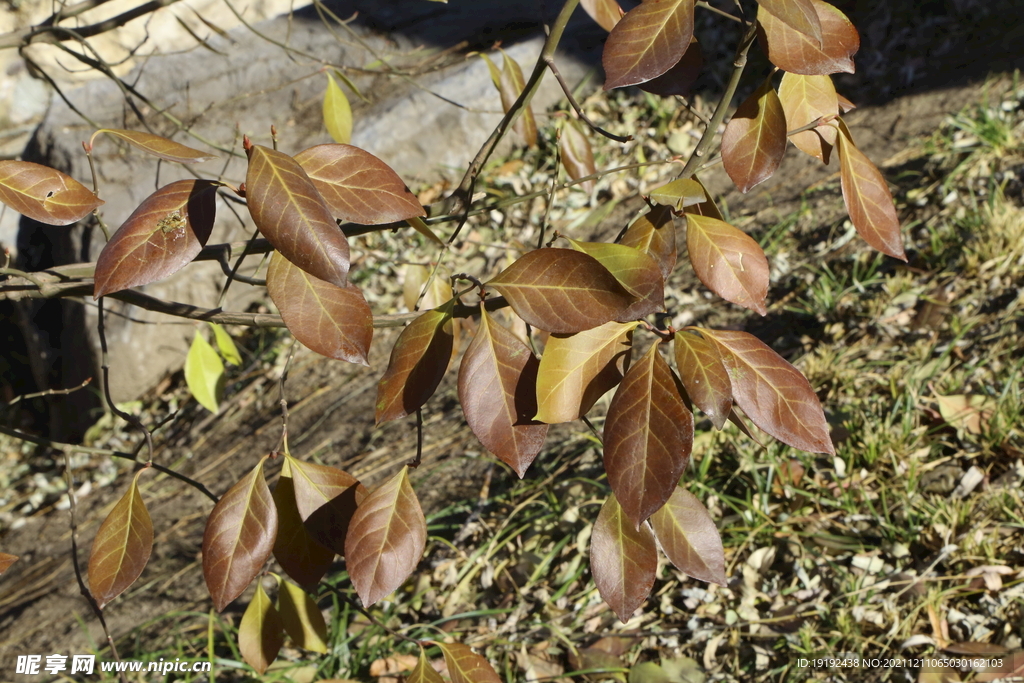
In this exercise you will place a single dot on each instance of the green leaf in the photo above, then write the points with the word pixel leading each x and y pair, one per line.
pixel 226 345
pixel 260 634
pixel 204 373
pixel 679 194
pixel 302 619
pixel 648 672
pixel 337 113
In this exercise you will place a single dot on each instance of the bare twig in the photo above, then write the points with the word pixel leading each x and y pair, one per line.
pixel 127 417
pixel 550 61
pixel 415 462
pixel 49 392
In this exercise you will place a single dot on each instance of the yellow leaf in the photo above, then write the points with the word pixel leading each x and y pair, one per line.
pixel 226 345
pixel 337 113
pixel 204 373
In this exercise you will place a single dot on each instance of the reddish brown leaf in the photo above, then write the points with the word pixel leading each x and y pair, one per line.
pixel 655 233
pixel 510 85
pixel 754 142
pixel 162 236
pixel 6 561
pixel 289 211
pixel 707 207
pixel 623 559
pixel 678 80
pixel 333 321
pixel 358 186
pixel 260 633
pixel 419 360
pixel 797 14
pixel 605 12
pixel 868 199
pixel 295 549
pixel 465 666
pixel 728 261
pixel 806 99
pixel 773 394
pixel 636 271
pixel 689 537
pixel 647 437
pixel 580 368
pixel 386 539
pixel 577 157
pixel 122 546
pixel 562 291
pixel 239 537
pixel 44 194
pixel 704 376
pixel 157 146
pixel 326 498
pixel 647 42
pixel 423 672
pixel 798 53
pixel 498 392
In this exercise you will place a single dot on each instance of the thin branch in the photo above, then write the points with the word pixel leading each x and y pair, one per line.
pixel 415 462
pixel 705 5
pixel 50 32
pixel 550 61
pixel 127 417
pixel 49 392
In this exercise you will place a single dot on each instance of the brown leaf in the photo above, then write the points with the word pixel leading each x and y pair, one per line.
pixel 655 233
pixel 301 618
pixel 728 261
pixel 326 498
pixel 605 12
pixel 295 549
pixel 577 157
pixel 704 376
pixel 289 211
pixel 562 291
pixel 680 79
pixel 580 368
pixel 707 207
pixel 623 559
pixel 260 633
pixel 465 666
pixel 44 194
pixel 845 105
pixel 806 99
pixel 636 271
pixel 647 437
pixel 498 392
pixel 6 561
pixel 793 51
pixel 423 672
pixel 754 142
pixel 797 14
pixel 157 146
pixel 357 186
pixel 510 85
pixel 419 361
pixel 868 199
pixel 162 236
pixel 647 42
pixel 386 539
pixel 773 394
pixel 969 411
pixel 122 546
pixel 333 321
pixel 689 537
pixel 239 537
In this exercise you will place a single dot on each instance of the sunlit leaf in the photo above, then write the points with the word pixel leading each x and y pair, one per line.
pixel 845 105
pixel 623 559
pixel 679 194
pixel 648 672
pixel 773 394
pixel 438 291
pixel 707 207
pixel 655 233
pixel 648 435
pixel 605 12
pixel 288 210
pixel 6 561
pixel 337 113
pixel 580 368
pixel 498 393
pixel 680 79
pixel 636 271
pixel 511 85
pixel 204 373
pixel 44 194
pixel 796 52
pixel 868 199
pixel 226 345
pixel 295 549
pixel 806 99
pixel 162 236
pixel 465 666
pixel 577 156
pixel 357 186
pixel 260 633
pixel 386 539
pixel 301 618
pixel 419 361
pixel 158 146
pixel 648 41
pixel 690 538
pixel 122 546
pixel 420 226
pixel 333 321
pixel 728 261
pixel 970 412
pixel 797 14
pixel 326 498
pixel 754 142
pixel 423 672
pixel 704 376
pixel 239 537
pixel 562 291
